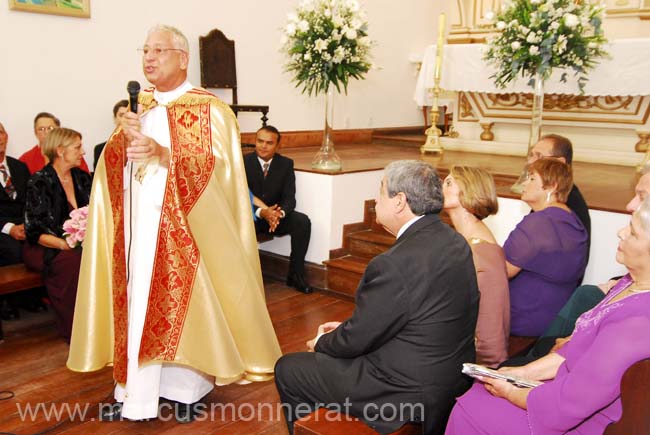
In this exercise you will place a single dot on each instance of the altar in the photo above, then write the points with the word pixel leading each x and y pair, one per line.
pixel 605 123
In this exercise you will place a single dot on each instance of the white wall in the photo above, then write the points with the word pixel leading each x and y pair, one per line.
pixel 78 68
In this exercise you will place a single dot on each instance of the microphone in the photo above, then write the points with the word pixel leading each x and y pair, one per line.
pixel 133 88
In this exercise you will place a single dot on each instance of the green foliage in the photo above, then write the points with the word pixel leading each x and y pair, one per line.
pixel 327 43
pixel 536 36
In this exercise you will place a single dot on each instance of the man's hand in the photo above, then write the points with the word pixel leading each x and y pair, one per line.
pixel 559 343
pixel 131 122
pixel 322 329
pixel 272 215
pixel 18 232
pixel 142 148
pixel 607 286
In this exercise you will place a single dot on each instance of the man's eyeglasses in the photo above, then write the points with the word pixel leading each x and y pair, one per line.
pixel 45 129
pixel 537 155
pixel 156 51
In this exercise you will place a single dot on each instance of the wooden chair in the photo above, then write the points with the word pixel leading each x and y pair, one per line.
pixel 218 69
pixel 635 395
pixel 317 423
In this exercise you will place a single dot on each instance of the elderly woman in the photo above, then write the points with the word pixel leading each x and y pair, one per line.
pixel 52 193
pixel 470 197
pixel 546 254
pixel 581 389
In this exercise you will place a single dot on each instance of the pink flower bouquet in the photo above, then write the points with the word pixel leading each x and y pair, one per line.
pixel 75 227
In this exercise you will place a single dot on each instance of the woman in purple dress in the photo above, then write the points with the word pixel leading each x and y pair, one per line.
pixel 470 197
pixel 581 389
pixel 546 254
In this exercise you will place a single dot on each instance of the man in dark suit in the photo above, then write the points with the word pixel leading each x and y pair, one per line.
pixel 13 187
pixel 119 109
pixel 272 181
pixel 399 357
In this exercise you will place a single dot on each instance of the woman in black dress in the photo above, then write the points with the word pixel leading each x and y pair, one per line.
pixel 52 193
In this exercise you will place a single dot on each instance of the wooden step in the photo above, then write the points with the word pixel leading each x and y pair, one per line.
pixel 344 273
pixel 369 243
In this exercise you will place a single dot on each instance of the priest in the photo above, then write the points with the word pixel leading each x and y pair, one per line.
pixel 170 289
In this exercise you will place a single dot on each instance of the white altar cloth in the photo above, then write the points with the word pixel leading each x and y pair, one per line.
pixel 463 69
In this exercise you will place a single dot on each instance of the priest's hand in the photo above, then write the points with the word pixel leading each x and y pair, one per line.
pixel 17 232
pixel 143 148
pixel 130 122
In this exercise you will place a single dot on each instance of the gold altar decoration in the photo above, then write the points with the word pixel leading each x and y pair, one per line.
pixel 487 134
pixel 515 108
pixel 643 145
pixel 432 144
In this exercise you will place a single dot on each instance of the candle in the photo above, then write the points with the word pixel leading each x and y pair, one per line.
pixel 441 37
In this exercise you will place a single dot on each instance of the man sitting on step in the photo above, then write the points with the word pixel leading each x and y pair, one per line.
pixel 399 357
pixel 272 180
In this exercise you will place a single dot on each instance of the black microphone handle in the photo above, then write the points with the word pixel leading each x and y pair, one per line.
pixel 133 88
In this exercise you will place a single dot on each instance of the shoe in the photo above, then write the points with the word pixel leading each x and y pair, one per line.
pixel 297 281
pixel 9 312
pixel 35 306
pixel 110 412
pixel 187 412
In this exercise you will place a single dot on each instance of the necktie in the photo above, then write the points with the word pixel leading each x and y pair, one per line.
pixel 265 169
pixel 9 187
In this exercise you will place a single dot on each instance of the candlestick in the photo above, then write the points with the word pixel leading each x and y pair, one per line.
pixel 432 144
pixel 439 45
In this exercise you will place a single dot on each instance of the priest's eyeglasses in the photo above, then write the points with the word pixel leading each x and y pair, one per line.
pixel 156 51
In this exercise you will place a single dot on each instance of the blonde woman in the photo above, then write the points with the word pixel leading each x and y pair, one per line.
pixel 52 193
pixel 470 197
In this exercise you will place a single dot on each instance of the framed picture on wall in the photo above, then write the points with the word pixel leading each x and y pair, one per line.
pixel 73 8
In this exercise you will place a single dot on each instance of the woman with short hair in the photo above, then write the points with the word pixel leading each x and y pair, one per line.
pixel 52 193
pixel 546 254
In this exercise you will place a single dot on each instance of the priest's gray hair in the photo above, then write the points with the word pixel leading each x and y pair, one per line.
pixel 419 182
pixel 180 40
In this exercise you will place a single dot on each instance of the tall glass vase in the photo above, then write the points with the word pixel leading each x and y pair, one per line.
pixel 535 128
pixel 326 159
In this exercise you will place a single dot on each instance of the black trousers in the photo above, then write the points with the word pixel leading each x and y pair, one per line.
pixel 302 389
pixel 298 226
pixel 11 250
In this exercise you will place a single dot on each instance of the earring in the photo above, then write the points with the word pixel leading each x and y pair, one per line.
pixel 548 196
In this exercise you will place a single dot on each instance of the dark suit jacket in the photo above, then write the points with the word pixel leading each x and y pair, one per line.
pixel 97 152
pixel 279 186
pixel 411 330
pixel 577 204
pixel 11 210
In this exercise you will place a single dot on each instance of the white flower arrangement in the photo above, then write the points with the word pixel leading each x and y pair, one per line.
pixel 536 36
pixel 327 43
